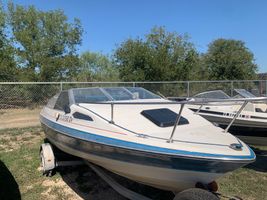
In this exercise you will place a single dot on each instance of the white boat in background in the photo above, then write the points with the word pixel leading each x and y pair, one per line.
pixel 250 125
pixel 141 136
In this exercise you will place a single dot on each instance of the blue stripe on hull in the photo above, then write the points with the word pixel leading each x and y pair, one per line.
pixel 137 157
pixel 90 137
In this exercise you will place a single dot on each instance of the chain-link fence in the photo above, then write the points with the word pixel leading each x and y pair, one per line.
pixel 18 97
pixel 31 94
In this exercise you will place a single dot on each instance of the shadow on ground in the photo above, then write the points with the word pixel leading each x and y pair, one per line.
pixel 88 185
pixel 9 188
pixel 261 162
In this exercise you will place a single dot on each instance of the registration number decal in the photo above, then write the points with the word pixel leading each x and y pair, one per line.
pixel 64 117
pixel 234 114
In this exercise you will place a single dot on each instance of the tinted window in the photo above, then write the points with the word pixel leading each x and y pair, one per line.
pixel 63 100
pixel 78 115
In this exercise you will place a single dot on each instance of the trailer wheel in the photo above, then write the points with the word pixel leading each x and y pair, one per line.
pixel 195 194
pixel 48 161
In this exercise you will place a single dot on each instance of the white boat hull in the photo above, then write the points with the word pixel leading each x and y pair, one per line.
pixel 162 178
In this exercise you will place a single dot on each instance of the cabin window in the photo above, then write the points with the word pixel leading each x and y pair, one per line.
pixel 62 101
pixel 78 115
pixel 163 117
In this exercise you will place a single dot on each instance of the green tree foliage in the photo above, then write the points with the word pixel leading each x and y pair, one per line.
pixel 161 55
pixel 8 71
pixel 229 60
pixel 45 43
pixel 40 45
pixel 97 67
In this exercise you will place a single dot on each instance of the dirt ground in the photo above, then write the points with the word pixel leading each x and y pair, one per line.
pixel 17 118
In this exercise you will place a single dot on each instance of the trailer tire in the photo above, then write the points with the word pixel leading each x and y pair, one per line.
pixel 48 161
pixel 195 194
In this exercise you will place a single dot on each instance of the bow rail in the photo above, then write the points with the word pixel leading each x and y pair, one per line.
pixel 182 103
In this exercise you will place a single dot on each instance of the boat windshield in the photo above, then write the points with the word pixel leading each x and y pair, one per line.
pixel 216 94
pixel 119 93
pixel 243 94
pixel 87 95
pixel 141 93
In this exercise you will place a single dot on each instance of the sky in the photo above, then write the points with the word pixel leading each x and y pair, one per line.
pixel 107 23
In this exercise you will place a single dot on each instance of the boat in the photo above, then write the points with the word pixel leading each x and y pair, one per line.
pixel 250 125
pixel 139 135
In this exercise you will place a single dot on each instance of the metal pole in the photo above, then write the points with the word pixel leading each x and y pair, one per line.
pixel 112 108
pixel 260 89
pixel 236 115
pixel 188 88
pixel 232 88
pixel 61 86
pixel 199 109
pixel 170 140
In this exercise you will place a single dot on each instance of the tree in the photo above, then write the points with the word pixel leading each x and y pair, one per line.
pixel 161 55
pixel 45 42
pixel 8 71
pixel 96 67
pixel 229 60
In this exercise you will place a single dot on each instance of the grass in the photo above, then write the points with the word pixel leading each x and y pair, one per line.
pixel 21 177
pixel 19 167
pixel 23 164
pixel 245 183
pixel 18 131
pixel 250 181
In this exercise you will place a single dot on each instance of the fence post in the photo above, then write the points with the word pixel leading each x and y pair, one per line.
pixel 188 89
pixel 133 84
pixel 232 88
pixel 260 88
pixel 61 86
